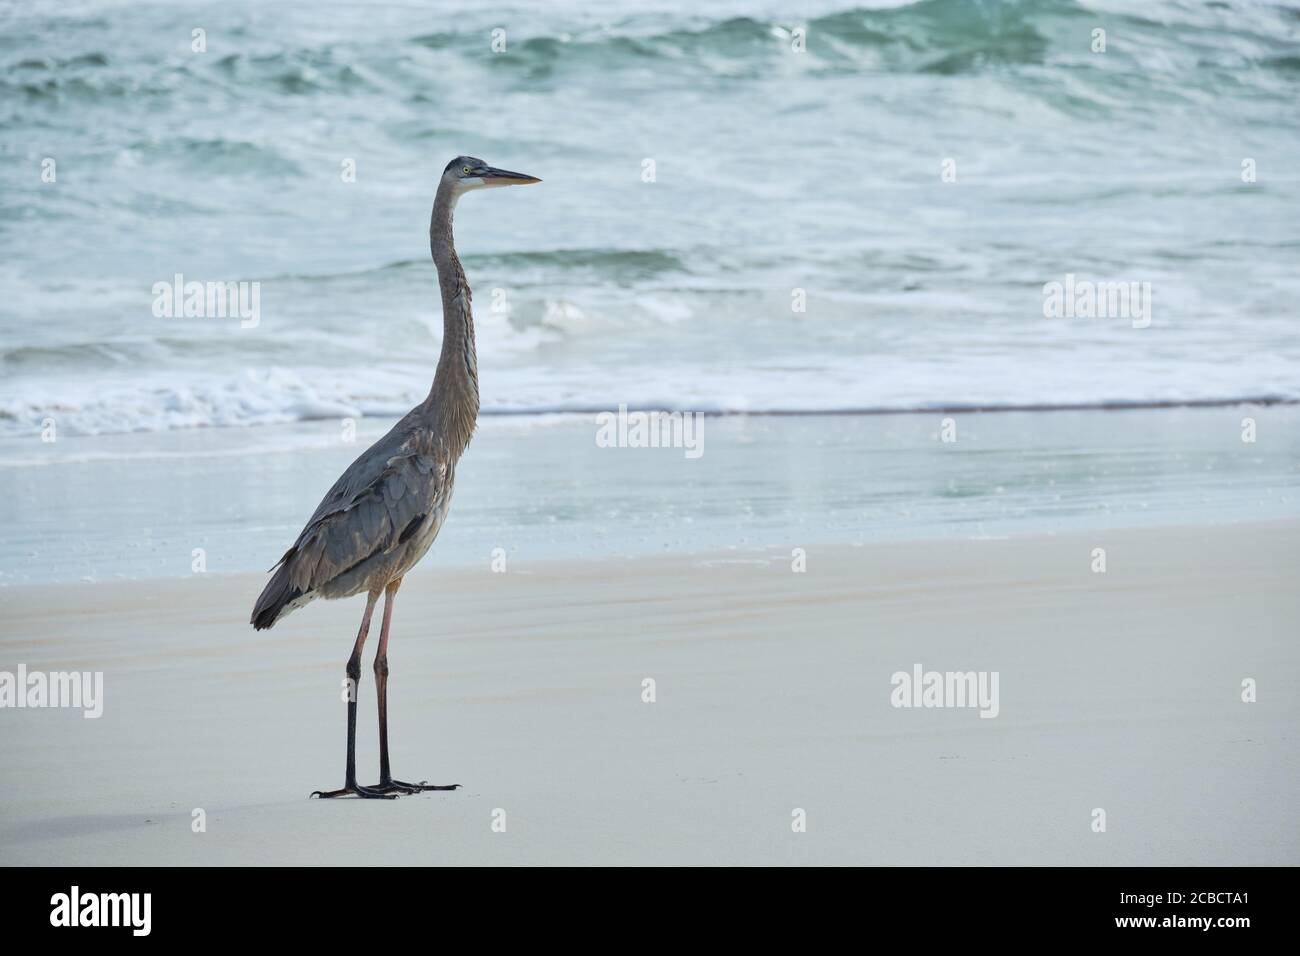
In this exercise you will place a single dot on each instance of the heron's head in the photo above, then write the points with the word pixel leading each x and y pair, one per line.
pixel 465 173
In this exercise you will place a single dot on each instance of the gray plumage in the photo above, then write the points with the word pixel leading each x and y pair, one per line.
pixel 384 512
pixel 377 521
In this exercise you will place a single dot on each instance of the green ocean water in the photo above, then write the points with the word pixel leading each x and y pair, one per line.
pixel 793 157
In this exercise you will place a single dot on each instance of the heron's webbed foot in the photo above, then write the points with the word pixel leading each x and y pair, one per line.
pixel 401 786
pixel 356 790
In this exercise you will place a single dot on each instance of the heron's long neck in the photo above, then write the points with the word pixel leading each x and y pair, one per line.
pixel 452 404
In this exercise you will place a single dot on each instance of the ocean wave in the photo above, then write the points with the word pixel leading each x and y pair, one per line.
pixel 156 402
pixel 778 175
pixel 617 265
pixel 944 37
pixel 197 411
pixel 929 35
pixel 299 72
pixel 218 155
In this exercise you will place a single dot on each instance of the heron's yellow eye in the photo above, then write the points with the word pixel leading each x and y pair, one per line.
pixel 465 170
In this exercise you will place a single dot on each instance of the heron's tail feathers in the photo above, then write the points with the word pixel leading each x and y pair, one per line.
pixel 279 597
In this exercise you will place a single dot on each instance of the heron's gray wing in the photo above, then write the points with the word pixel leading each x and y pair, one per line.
pixel 360 475
pixel 385 494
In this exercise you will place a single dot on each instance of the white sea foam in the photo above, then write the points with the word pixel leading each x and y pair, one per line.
pixel 597 289
pixel 161 401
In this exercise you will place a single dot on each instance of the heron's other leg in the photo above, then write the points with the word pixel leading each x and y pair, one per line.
pixel 386 782
pixel 350 785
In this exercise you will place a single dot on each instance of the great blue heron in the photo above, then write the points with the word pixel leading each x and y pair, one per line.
pixel 383 513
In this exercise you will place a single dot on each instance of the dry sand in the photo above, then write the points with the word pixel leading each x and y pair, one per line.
pixel 1119 691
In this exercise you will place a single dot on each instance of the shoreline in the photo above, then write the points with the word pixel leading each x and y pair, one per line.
pixel 1264 401
pixel 145 506
pixel 569 413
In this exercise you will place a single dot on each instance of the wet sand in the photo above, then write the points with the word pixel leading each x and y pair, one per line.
pixel 1119 691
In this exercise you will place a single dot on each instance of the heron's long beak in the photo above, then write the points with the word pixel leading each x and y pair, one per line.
pixel 504 177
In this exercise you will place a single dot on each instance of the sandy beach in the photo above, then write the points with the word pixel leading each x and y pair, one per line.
pixel 839 453
pixel 1118 690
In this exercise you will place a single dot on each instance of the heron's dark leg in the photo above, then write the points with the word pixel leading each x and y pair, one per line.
pixel 350 786
pixel 386 782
